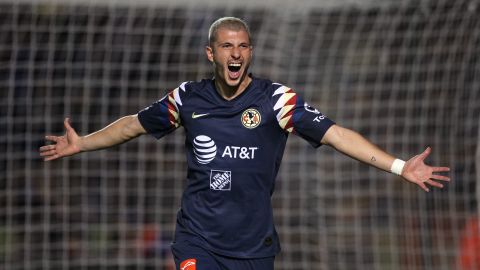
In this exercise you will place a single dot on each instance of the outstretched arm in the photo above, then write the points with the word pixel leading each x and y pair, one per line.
pixel 356 146
pixel 120 131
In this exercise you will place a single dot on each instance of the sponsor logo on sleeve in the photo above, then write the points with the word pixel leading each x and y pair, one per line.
pixel 311 109
pixel 188 264
pixel 319 118
pixel 220 180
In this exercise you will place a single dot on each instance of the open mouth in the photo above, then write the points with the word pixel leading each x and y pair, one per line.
pixel 234 70
pixel 234 67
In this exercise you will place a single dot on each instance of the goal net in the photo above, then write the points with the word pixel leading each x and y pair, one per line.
pixel 405 74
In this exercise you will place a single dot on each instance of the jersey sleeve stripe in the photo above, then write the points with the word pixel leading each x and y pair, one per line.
pixel 182 86
pixel 173 115
pixel 176 96
pixel 283 100
pixel 285 106
pixel 281 90
pixel 283 111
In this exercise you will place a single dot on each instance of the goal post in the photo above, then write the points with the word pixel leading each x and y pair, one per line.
pixel 405 74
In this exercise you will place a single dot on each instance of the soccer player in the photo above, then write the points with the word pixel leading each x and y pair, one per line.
pixel 236 129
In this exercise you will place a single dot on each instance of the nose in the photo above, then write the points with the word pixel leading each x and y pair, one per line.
pixel 235 52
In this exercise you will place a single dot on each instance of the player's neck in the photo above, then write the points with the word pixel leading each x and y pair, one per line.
pixel 230 92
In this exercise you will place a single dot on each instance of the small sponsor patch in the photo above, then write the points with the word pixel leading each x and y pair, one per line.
pixel 220 180
pixel 188 264
pixel 251 118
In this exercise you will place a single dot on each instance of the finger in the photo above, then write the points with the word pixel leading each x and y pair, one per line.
pixel 440 177
pixel 441 169
pixel 51 158
pixel 48 153
pixel 66 123
pixel 423 186
pixel 435 184
pixel 52 138
pixel 47 147
pixel 425 153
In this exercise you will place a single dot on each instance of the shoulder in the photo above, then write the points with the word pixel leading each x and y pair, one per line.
pixel 186 89
pixel 278 92
pixel 262 83
pixel 192 86
pixel 271 87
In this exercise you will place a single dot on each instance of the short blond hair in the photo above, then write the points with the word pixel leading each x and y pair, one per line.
pixel 231 23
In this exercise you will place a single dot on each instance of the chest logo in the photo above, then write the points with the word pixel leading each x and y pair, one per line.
pixel 220 180
pixel 204 149
pixel 251 118
pixel 194 116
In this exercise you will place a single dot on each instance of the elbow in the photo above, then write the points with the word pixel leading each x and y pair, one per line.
pixel 335 136
pixel 132 128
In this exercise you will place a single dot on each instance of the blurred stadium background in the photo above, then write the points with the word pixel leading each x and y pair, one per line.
pixel 405 74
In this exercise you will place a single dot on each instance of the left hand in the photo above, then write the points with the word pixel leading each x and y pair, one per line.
pixel 416 171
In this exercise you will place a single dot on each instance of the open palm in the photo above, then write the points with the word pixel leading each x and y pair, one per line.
pixel 63 146
pixel 416 171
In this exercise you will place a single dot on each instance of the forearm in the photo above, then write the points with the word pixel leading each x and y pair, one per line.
pixel 118 132
pixel 358 147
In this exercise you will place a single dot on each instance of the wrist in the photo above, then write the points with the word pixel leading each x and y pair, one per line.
pixel 81 144
pixel 397 166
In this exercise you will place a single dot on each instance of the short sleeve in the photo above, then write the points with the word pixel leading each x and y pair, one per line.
pixel 294 115
pixel 163 116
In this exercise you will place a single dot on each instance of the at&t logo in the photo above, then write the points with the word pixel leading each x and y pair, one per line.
pixel 204 149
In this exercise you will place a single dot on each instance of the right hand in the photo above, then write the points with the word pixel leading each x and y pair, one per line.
pixel 66 145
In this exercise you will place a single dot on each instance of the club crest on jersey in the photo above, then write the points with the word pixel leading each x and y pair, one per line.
pixel 251 118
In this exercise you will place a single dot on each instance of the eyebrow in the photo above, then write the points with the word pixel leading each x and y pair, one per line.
pixel 230 43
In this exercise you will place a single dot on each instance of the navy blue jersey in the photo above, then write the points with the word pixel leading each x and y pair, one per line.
pixel 234 149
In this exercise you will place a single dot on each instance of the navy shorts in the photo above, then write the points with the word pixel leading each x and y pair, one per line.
pixel 189 256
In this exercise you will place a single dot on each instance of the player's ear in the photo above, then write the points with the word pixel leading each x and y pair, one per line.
pixel 209 52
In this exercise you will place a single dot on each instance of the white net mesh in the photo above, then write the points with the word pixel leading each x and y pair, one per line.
pixel 406 74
